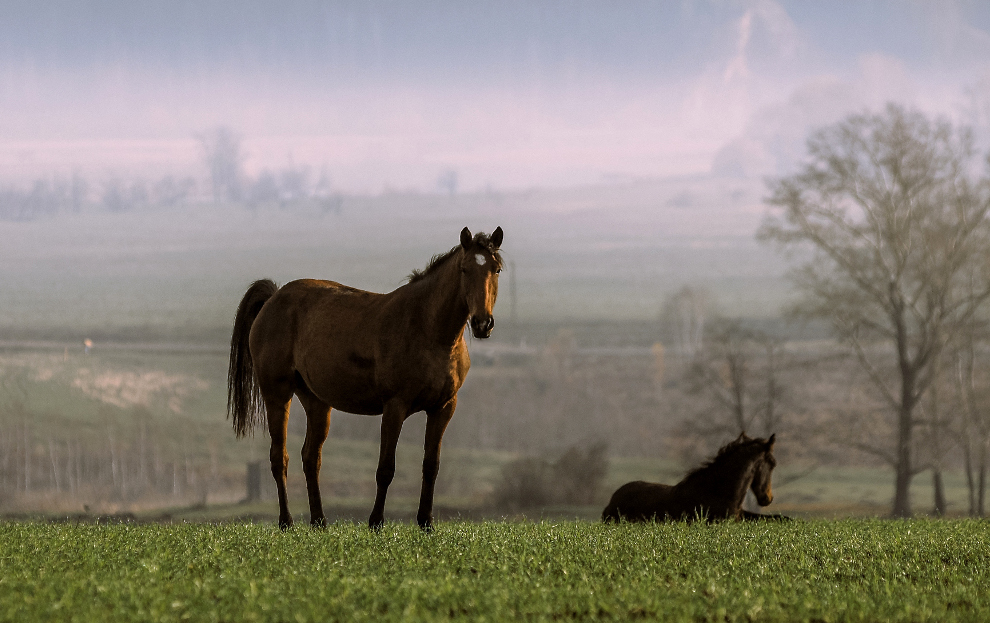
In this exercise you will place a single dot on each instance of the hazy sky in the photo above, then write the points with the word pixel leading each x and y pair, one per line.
pixel 509 94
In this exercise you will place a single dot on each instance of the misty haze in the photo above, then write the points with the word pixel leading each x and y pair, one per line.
pixel 661 172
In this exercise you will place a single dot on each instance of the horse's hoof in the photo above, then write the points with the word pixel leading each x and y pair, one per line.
pixel 318 522
pixel 376 523
pixel 284 523
pixel 426 525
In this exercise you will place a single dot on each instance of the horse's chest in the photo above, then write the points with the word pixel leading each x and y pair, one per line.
pixel 425 379
pixel 437 382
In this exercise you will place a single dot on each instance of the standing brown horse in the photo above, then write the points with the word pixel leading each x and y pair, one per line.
pixel 337 347
pixel 714 490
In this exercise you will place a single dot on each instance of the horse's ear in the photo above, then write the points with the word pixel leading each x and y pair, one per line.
pixel 497 237
pixel 466 238
pixel 742 436
pixel 770 441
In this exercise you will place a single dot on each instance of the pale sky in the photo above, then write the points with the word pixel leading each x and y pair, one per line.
pixel 511 95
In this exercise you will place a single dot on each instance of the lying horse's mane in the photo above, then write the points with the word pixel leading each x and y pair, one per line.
pixel 716 462
pixel 440 259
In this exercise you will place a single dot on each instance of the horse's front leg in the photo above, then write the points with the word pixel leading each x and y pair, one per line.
pixel 395 413
pixel 436 424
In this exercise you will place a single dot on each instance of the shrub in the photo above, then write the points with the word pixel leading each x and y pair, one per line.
pixel 574 478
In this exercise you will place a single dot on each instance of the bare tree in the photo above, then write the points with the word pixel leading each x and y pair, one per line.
pixel 971 374
pixel 935 422
pixel 739 372
pixel 223 158
pixel 898 233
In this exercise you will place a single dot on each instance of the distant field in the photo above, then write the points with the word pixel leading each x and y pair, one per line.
pixel 175 402
pixel 594 253
pixel 800 571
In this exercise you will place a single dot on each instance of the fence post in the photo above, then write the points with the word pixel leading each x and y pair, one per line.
pixel 253 481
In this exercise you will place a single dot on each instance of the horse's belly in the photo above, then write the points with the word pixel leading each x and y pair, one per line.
pixel 351 393
pixel 357 405
pixel 359 408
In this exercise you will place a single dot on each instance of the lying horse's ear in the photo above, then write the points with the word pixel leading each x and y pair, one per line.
pixel 466 238
pixel 770 441
pixel 741 436
pixel 497 238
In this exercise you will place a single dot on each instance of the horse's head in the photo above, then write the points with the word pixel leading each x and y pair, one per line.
pixel 480 266
pixel 765 462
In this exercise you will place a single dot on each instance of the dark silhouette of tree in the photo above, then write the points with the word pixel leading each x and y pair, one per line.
pixel 897 228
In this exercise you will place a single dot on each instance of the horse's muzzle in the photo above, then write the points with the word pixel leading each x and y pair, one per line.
pixel 482 327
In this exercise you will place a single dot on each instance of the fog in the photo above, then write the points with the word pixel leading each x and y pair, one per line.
pixel 651 126
pixel 511 95
pixel 624 148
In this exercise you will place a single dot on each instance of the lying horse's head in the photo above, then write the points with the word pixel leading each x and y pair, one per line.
pixel 765 463
pixel 480 266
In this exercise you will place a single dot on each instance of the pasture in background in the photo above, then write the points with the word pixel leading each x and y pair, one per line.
pixel 142 429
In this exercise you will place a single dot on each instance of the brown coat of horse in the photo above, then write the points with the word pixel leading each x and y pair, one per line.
pixel 715 490
pixel 336 347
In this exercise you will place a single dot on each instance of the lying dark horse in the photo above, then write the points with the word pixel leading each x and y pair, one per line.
pixel 338 347
pixel 715 490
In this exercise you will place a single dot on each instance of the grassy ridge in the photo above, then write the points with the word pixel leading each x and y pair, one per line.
pixel 914 570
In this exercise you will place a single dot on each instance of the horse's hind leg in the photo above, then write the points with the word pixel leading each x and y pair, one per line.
pixel 277 400
pixel 436 424
pixel 317 428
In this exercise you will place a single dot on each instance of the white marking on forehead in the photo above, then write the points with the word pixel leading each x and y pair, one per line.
pixel 480 259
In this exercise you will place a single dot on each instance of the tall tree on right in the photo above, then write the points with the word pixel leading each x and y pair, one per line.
pixel 893 224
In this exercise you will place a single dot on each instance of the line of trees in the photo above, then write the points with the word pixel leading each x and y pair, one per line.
pixel 224 181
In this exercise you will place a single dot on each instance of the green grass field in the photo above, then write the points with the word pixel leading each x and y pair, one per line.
pixel 850 570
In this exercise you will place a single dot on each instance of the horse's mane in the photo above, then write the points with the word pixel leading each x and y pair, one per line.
pixel 440 259
pixel 723 453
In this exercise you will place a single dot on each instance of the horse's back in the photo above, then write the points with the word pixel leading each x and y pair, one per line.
pixel 309 310
pixel 322 331
pixel 638 501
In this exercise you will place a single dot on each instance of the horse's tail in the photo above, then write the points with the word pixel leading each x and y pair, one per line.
pixel 244 403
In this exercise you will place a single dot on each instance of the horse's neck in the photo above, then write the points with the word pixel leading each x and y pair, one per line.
pixel 726 479
pixel 443 310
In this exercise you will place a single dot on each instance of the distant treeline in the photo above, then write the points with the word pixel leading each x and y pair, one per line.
pixel 59 195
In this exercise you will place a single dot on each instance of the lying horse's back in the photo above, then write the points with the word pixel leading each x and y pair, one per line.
pixel 638 501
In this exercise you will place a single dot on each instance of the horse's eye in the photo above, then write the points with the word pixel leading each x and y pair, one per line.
pixel 498 271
